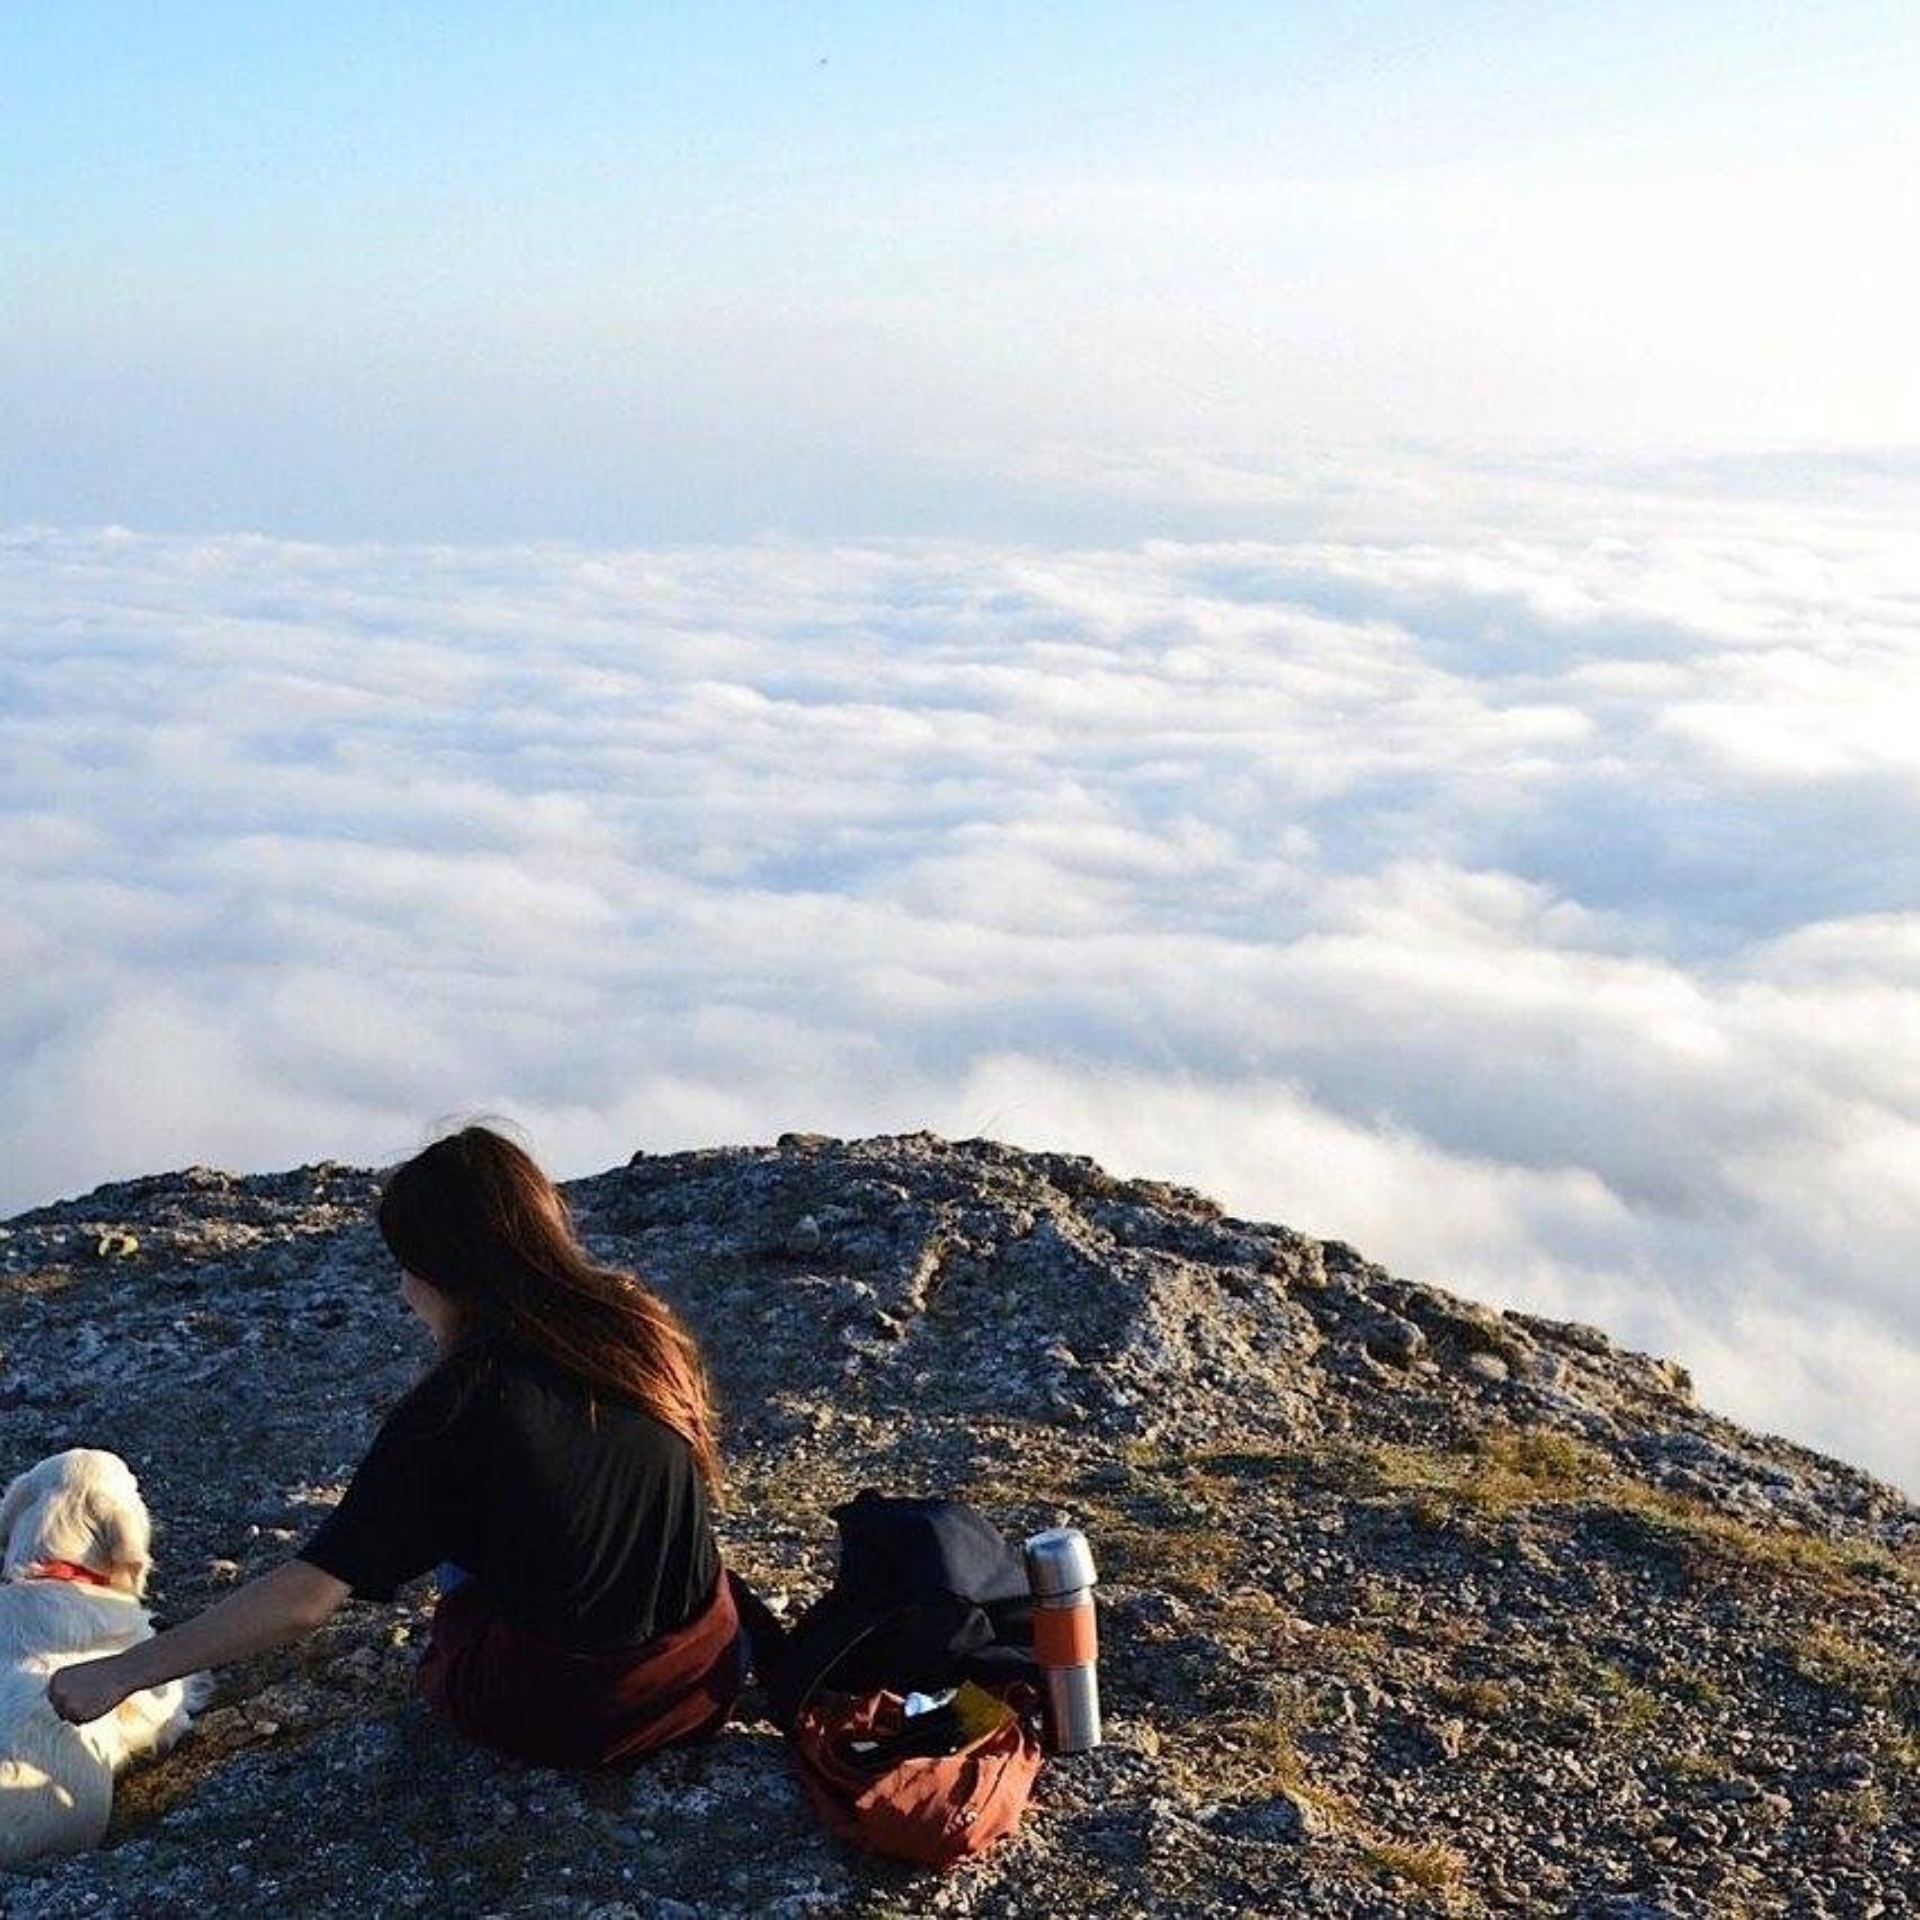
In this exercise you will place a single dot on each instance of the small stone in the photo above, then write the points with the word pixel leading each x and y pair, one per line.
pixel 805 1235
pixel 1489 1367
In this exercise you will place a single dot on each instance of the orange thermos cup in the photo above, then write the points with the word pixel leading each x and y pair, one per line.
pixel 1061 1578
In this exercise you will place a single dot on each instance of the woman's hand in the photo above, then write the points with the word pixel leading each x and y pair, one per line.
pixel 87 1689
pixel 268 1612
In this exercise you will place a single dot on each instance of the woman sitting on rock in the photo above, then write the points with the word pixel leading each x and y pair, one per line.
pixel 554 1463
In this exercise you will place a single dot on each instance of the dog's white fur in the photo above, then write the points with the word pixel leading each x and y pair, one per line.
pixel 56 1780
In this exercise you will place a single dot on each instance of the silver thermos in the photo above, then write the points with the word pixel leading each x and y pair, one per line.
pixel 1061 1578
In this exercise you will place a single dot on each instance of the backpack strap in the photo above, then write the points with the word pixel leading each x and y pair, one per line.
pixel 811 1683
pixel 789 1686
pixel 766 1637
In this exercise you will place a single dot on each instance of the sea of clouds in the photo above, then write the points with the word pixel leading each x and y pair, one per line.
pixel 1526 891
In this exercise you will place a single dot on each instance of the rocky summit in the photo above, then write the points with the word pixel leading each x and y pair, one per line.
pixel 1408 1605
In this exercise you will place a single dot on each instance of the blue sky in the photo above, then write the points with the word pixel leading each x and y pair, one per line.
pixel 629 273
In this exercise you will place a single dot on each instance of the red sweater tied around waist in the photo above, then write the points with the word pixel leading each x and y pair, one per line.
pixel 534 1701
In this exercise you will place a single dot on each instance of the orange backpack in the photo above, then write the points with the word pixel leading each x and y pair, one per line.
pixel 932 1809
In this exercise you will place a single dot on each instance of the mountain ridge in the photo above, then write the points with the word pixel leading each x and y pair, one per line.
pixel 1407 1601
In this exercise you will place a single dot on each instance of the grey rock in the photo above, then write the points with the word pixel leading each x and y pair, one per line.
pixel 1396 1341
pixel 1281 1821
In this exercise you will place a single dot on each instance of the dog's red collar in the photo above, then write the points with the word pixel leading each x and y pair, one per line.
pixel 66 1570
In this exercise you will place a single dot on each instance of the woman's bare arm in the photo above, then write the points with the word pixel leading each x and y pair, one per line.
pixel 271 1611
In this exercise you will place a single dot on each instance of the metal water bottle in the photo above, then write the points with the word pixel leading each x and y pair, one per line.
pixel 1061 1578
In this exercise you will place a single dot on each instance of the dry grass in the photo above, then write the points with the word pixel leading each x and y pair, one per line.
pixel 1477 1699
pixel 1587 1691
pixel 1857 1809
pixel 1431 1864
pixel 1506 1469
pixel 1691 1685
pixel 1833 1565
pixel 1510 1469
pixel 1191 1557
pixel 1261 1755
pixel 1830 1657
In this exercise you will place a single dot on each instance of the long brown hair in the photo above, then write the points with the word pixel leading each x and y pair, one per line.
pixel 473 1216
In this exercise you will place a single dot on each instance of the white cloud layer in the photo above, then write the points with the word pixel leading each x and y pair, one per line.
pixel 1531 898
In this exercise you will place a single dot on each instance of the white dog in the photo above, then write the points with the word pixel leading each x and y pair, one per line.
pixel 74 1536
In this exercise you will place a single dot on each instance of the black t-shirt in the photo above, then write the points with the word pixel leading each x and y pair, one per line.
pixel 588 1530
